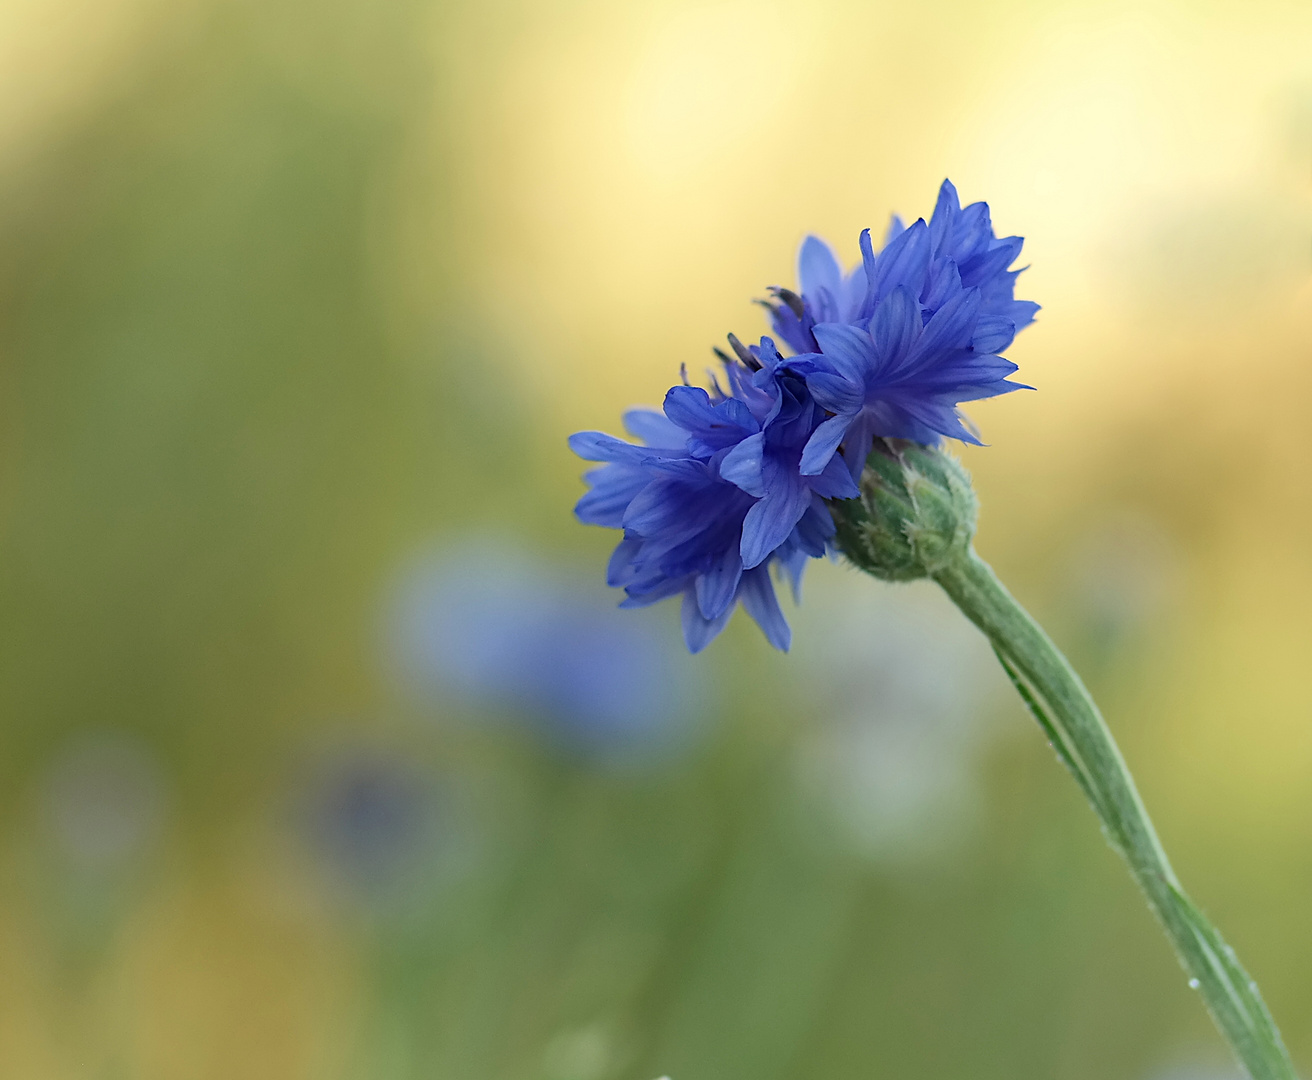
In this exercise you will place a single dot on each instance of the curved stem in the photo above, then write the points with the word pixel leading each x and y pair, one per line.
pixel 1063 707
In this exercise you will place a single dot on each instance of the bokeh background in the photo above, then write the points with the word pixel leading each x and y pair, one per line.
pixel 323 751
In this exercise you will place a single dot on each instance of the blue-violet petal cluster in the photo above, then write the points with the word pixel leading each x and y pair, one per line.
pixel 715 497
pixel 727 483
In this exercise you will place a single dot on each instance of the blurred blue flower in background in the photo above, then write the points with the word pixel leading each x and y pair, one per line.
pixel 499 632
pixel 384 828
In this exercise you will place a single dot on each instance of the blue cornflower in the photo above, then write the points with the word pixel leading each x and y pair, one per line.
pixel 513 637
pixel 728 483
pixel 716 496
pixel 893 348
pixel 826 294
pixel 900 376
pixel 915 258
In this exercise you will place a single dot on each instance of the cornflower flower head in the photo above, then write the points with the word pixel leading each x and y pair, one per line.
pixel 727 483
pixel 893 347
pixel 714 497
pixel 913 257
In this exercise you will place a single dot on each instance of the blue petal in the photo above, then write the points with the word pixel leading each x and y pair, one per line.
pixel 792 566
pixel 806 363
pixel 836 393
pixel 663 507
pixel 1022 312
pixel 999 255
pixel 848 349
pixel 742 465
pixel 653 592
pixel 812 533
pixel 868 270
pixel 958 373
pixel 606 503
pixel 769 522
pixel 759 391
pixel 894 329
pixel 993 333
pixel 722 424
pixel 836 481
pixel 945 213
pixel 759 601
pixel 619 571
pixel 698 631
pixel 818 268
pixel 905 261
pixel 971 233
pixel 888 419
pixel 716 587
pixel 943 419
pixel 860 438
pixel 767 352
pixel 950 328
pixel 853 294
pixel 944 283
pixel 689 470
pixel 688 407
pixel 988 390
pixel 597 446
pixel 655 429
pixel 789 327
pixel 823 442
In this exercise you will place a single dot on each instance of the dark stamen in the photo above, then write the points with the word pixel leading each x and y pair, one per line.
pixel 790 298
pixel 744 353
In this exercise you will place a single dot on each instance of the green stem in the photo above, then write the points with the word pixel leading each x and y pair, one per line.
pixel 1063 707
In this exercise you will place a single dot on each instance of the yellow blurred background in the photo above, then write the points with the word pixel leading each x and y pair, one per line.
pixel 322 754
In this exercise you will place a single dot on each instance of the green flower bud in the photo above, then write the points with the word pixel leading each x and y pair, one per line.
pixel 915 515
